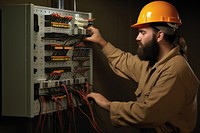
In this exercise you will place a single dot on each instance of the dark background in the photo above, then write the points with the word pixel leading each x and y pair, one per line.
pixel 113 18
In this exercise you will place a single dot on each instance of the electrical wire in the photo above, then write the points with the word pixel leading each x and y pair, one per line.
pixel 70 108
pixel 40 125
pixel 92 119
pixel 59 113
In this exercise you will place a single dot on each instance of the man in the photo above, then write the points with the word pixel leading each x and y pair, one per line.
pixel 167 87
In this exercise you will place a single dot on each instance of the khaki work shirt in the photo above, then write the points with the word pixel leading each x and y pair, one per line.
pixel 166 93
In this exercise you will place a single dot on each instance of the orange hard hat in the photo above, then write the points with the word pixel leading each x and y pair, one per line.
pixel 157 11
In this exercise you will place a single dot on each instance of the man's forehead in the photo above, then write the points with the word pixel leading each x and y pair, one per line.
pixel 145 28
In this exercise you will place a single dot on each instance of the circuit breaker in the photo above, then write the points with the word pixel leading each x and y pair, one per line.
pixel 45 60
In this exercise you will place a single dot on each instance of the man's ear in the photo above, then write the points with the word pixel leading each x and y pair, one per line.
pixel 160 36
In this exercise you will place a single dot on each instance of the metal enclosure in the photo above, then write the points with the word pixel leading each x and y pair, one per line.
pixel 31 39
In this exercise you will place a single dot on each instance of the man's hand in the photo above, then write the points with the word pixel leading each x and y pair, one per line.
pixel 100 100
pixel 95 36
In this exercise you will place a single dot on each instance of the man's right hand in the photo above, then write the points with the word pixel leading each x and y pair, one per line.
pixel 95 36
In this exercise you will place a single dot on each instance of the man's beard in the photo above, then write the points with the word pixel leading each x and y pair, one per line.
pixel 148 51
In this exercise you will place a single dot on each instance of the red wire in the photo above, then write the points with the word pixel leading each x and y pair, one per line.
pixel 68 103
pixel 71 115
pixel 43 103
pixel 87 87
pixel 93 122
pixel 72 106
pixel 40 117
pixel 59 113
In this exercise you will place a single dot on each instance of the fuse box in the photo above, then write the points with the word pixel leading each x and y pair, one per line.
pixel 44 56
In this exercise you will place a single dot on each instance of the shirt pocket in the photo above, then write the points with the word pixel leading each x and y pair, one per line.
pixel 147 94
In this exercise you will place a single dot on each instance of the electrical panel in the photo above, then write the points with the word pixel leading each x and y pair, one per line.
pixel 46 64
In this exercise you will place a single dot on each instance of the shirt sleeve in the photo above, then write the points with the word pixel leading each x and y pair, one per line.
pixel 173 93
pixel 154 108
pixel 123 63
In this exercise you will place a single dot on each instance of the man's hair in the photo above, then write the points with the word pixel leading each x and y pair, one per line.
pixel 171 35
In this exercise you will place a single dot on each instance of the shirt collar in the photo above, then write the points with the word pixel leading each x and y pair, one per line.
pixel 173 52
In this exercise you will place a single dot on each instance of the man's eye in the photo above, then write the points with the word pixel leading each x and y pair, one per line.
pixel 142 32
